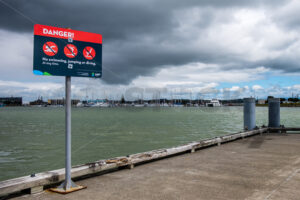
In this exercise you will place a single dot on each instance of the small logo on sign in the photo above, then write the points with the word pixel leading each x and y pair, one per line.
pixel 70 51
pixel 50 48
pixel 89 53
pixel 83 73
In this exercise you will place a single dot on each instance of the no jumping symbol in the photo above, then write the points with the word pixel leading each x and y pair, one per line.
pixel 70 50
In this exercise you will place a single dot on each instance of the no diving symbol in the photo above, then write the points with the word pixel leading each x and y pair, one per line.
pixel 70 50
pixel 89 53
pixel 50 48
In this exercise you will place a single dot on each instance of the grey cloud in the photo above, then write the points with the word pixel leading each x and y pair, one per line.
pixel 112 17
pixel 284 64
pixel 136 34
pixel 288 16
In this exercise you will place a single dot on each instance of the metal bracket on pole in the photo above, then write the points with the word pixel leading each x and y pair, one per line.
pixel 68 185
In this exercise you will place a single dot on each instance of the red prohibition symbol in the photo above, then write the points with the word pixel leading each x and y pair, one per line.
pixel 70 50
pixel 50 48
pixel 89 53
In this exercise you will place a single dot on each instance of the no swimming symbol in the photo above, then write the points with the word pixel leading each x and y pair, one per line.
pixel 50 48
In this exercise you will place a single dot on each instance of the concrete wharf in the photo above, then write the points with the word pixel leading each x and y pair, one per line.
pixel 265 166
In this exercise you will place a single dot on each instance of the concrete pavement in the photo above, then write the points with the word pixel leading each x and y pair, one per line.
pixel 259 167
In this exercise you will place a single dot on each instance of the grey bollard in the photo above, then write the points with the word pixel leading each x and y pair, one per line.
pixel 249 114
pixel 274 112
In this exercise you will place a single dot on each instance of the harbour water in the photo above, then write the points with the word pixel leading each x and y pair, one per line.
pixel 32 138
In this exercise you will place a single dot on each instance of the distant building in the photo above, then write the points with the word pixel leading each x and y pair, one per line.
pixel 286 102
pixel 11 101
pixel 56 102
pixel 38 102
pixel 232 102
pixel 261 101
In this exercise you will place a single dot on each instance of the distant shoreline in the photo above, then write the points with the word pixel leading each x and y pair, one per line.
pixel 289 105
pixel 281 105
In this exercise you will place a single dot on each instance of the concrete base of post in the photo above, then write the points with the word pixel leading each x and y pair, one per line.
pixel 62 189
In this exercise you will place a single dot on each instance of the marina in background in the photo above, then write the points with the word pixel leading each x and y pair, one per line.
pixel 18 101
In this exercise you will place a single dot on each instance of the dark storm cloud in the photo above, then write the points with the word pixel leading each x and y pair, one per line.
pixel 134 32
pixel 285 64
pixel 113 18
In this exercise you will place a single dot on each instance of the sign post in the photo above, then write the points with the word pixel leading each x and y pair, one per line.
pixel 65 52
pixel 68 182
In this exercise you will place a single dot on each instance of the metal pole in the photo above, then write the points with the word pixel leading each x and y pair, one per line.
pixel 68 185
pixel 68 182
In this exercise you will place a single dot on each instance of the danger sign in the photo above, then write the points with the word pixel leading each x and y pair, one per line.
pixel 66 52
pixel 50 48
pixel 70 51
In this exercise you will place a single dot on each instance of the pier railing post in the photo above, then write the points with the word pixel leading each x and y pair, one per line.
pixel 274 112
pixel 249 114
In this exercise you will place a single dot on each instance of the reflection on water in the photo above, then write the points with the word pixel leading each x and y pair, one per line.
pixel 32 139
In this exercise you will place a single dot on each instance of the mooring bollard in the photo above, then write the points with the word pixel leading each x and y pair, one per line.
pixel 249 114
pixel 274 112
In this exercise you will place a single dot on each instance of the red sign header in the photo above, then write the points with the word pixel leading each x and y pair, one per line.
pixel 63 33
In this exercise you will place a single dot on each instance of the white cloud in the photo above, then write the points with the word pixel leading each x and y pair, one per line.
pixel 198 74
pixel 244 34
pixel 235 88
pixel 16 56
pixel 296 87
pixel 257 87
pixel 43 86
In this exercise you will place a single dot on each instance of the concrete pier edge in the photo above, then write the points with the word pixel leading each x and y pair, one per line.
pixel 41 180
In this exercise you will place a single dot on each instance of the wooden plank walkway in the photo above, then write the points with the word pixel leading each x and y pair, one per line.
pixel 261 167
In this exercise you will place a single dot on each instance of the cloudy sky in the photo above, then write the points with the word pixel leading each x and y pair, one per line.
pixel 169 48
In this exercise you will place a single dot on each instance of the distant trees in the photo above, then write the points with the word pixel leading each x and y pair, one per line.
pixel 282 100
pixel 293 100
